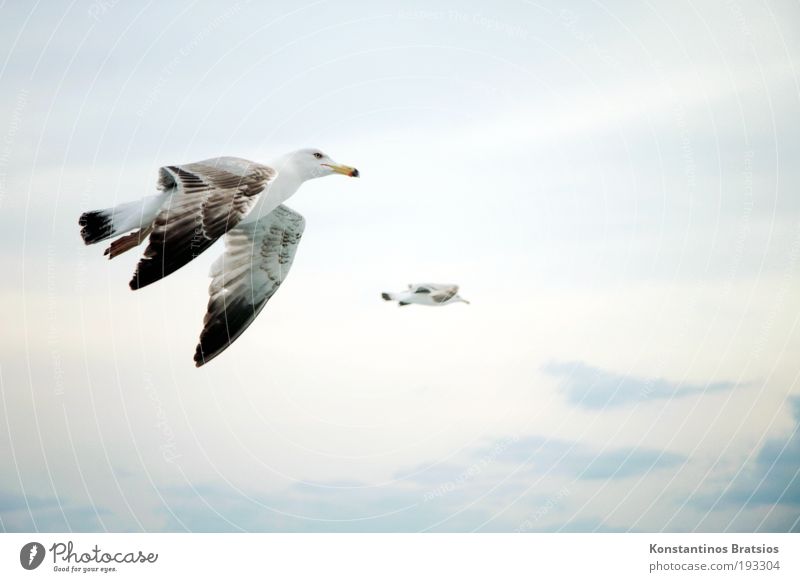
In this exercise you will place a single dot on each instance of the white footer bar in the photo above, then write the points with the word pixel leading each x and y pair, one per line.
pixel 406 557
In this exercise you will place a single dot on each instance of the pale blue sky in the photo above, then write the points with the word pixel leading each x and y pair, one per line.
pixel 613 186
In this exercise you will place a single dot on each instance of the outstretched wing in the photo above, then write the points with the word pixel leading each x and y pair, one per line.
pixel 444 294
pixel 207 199
pixel 257 258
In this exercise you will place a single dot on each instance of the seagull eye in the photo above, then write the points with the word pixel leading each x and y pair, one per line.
pixel 318 155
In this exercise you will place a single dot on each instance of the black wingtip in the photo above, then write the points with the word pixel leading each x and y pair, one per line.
pixel 386 296
pixel 200 358
pixel 145 275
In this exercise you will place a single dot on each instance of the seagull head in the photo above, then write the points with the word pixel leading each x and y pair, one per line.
pixel 459 298
pixel 313 163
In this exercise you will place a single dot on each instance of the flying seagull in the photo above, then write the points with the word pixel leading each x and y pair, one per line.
pixel 426 294
pixel 200 202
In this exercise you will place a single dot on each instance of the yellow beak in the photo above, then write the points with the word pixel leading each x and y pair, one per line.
pixel 346 170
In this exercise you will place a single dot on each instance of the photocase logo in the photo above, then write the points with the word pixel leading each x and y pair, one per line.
pixel 31 555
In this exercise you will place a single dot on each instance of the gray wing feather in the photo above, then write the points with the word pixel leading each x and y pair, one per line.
pixel 445 294
pixel 209 198
pixel 257 259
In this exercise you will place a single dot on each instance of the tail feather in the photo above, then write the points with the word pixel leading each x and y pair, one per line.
pixel 387 296
pixel 95 226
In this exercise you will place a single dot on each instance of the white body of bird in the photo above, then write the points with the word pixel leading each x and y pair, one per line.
pixel 291 176
pixel 431 294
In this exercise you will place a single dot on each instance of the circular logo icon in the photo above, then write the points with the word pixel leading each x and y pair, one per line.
pixel 31 555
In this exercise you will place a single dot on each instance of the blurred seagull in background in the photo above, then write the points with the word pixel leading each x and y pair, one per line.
pixel 426 294
pixel 199 203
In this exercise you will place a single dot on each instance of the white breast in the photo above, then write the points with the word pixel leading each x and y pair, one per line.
pixel 279 191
